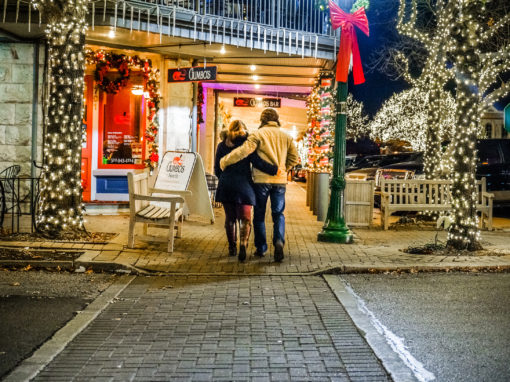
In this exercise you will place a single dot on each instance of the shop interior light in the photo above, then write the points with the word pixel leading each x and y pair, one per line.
pixel 223 50
pixel 257 86
pixel 254 77
pixel 253 67
pixel 111 34
pixel 137 90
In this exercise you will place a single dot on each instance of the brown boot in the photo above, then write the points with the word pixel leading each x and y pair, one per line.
pixel 244 235
pixel 231 230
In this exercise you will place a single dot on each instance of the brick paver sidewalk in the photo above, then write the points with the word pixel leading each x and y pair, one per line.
pixel 184 328
pixel 203 248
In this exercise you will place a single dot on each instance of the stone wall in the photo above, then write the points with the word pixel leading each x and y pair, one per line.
pixel 16 89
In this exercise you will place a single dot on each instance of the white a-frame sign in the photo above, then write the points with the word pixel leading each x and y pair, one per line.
pixel 184 171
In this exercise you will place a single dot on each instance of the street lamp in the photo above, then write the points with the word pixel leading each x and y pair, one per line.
pixel 335 230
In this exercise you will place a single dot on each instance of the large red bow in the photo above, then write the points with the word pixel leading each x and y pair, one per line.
pixel 348 41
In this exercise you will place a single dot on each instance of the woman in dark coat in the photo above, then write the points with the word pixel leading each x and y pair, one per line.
pixel 235 187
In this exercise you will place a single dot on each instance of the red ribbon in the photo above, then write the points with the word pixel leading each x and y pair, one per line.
pixel 348 41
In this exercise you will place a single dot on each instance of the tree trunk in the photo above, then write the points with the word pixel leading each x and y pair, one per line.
pixel 61 192
pixel 464 233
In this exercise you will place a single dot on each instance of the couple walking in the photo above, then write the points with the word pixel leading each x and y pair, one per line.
pixel 251 169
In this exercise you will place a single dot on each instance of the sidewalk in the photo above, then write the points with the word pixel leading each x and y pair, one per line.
pixel 190 328
pixel 203 248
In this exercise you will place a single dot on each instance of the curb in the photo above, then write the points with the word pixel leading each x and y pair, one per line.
pixel 397 369
pixel 128 269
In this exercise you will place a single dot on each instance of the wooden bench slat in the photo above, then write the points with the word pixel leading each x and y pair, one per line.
pixel 427 194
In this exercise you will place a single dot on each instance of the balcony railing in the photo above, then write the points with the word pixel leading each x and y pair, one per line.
pixel 299 15
pixel 284 26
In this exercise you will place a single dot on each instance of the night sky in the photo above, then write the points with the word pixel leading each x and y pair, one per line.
pixel 379 86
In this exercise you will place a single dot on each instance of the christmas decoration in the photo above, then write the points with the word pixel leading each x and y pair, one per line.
pixel 404 117
pixel 320 137
pixel 473 43
pixel 105 62
pixel 348 41
pixel 60 203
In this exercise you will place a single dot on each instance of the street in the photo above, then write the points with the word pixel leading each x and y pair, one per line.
pixel 33 305
pixel 457 325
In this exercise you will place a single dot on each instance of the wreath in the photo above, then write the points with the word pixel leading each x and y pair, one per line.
pixel 105 62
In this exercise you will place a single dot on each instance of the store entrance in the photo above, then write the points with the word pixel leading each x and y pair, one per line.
pixel 121 127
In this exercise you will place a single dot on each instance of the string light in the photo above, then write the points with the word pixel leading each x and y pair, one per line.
pixel 319 142
pixel 462 46
pixel 60 189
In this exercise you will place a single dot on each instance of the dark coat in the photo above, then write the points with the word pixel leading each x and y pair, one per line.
pixel 235 184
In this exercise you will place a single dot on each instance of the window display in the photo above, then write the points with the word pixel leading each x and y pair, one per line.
pixel 123 125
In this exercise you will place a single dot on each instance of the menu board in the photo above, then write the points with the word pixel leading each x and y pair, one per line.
pixel 121 148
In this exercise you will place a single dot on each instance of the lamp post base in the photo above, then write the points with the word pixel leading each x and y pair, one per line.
pixel 339 235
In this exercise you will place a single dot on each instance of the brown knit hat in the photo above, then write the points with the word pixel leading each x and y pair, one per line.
pixel 269 115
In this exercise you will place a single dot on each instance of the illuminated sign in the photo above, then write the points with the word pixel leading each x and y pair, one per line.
pixel 197 73
pixel 257 102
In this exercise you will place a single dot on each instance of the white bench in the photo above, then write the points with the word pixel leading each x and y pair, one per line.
pixel 427 195
pixel 157 211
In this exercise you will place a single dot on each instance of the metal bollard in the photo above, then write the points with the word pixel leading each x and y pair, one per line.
pixel 316 194
pixel 322 181
pixel 312 190
pixel 308 184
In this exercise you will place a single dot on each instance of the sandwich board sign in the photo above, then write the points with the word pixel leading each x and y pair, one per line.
pixel 184 171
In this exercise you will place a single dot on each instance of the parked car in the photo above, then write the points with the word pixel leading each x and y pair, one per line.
pixel 366 167
pixel 493 164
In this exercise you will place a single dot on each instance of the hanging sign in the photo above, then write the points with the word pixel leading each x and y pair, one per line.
pixel 197 73
pixel 326 82
pixel 254 102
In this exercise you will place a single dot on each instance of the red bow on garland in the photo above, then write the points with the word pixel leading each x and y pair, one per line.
pixel 348 41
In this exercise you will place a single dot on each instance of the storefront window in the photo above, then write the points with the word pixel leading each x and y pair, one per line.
pixel 123 126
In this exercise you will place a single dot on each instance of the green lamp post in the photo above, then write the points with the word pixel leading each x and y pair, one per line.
pixel 335 229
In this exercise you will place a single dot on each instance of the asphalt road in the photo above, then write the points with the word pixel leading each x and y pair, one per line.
pixel 34 305
pixel 456 325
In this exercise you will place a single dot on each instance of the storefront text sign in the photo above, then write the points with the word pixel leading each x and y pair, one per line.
pixel 197 73
pixel 260 102
pixel 175 171
pixel 184 171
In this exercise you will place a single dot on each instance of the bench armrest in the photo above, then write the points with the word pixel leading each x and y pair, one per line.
pixel 488 195
pixel 385 198
pixel 171 192
pixel 167 199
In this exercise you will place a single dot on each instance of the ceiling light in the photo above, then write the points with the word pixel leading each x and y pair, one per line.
pixel 253 68
pixel 254 77
pixel 222 50
pixel 257 86
pixel 111 34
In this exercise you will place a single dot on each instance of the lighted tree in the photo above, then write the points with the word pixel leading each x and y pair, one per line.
pixel 357 120
pixel 466 40
pixel 60 206
pixel 404 117
pixel 427 33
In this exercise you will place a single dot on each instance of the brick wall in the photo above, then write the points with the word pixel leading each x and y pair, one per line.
pixel 16 88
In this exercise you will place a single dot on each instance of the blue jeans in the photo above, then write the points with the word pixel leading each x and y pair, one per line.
pixel 277 195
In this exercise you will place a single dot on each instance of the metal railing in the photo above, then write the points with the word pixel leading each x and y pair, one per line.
pixel 299 15
pixel 18 197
